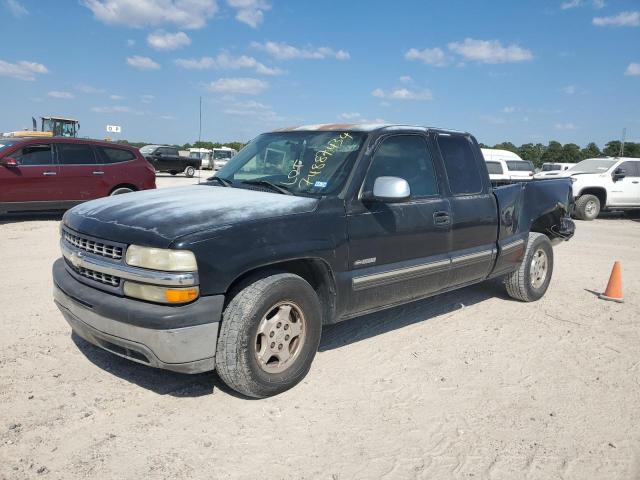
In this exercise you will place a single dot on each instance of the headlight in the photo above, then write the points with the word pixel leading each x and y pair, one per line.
pixel 161 259
pixel 152 293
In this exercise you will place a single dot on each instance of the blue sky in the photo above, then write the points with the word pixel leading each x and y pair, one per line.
pixel 520 71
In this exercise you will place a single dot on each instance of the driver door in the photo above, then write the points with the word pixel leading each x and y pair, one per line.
pixel 626 191
pixel 399 251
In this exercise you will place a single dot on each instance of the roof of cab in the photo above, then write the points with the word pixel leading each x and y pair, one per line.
pixel 358 127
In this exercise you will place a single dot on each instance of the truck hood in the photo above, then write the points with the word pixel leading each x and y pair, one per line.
pixel 158 217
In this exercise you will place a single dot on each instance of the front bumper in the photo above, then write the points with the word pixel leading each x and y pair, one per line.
pixel 182 339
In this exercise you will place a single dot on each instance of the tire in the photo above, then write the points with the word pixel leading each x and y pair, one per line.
pixel 587 207
pixel 121 190
pixel 238 354
pixel 521 284
pixel 189 172
pixel 173 172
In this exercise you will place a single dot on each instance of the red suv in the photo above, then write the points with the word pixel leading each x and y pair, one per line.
pixel 58 173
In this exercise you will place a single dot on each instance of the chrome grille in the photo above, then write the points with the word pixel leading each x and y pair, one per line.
pixel 98 276
pixel 92 246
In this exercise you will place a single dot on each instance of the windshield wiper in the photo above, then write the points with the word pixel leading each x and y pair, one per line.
pixel 222 181
pixel 267 183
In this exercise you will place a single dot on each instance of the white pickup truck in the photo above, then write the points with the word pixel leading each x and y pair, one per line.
pixel 605 184
pixel 506 167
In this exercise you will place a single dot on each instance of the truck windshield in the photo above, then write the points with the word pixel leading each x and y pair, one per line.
pixel 593 165
pixel 548 167
pixel 313 163
pixel 520 166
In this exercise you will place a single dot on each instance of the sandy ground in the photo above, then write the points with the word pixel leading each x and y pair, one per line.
pixel 469 384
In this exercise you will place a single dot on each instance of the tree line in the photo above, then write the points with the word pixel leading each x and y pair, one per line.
pixel 567 153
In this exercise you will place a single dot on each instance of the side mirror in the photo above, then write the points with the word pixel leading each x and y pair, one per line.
pixel 619 173
pixel 9 162
pixel 158 154
pixel 389 190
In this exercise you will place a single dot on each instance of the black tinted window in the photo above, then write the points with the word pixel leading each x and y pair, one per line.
pixel 494 168
pixel 462 169
pixel 169 151
pixel 521 166
pixel 404 156
pixel 34 155
pixel 114 155
pixel 75 154
pixel 632 169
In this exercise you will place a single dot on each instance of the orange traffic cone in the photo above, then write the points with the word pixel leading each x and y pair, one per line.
pixel 614 287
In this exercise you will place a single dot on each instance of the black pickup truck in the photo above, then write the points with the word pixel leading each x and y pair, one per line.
pixel 303 227
pixel 167 159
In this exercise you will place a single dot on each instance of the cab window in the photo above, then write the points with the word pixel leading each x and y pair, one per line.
pixel 631 169
pixel 75 154
pixel 460 163
pixel 407 157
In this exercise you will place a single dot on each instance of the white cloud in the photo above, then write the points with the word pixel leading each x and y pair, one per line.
pixel 633 69
pixel 597 4
pixel 406 79
pixel 508 109
pixel 130 42
pixel 403 94
pixel 244 85
pixel 90 89
pixel 161 40
pixel 61 95
pixel 140 13
pixel 16 8
pixel 147 98
pixel 250 12
pixel 112 109
pixel 565 126
pixel 142 63
pixel 624 19
pixel 431 56
pixel 167 117
pixel 349 116
pixel 283 51
pixel 22 70
pixel 569 89
pixel 355 117
pixel 251 110
pixel 224 61
pixel 116 97
pixel 490 51
pixel 492 119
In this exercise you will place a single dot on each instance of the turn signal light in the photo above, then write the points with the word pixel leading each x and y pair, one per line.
pixel 181 295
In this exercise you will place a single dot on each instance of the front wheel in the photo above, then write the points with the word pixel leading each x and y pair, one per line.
pixel 189 171
pixel 588 207
pixel 269 335
pixel 531 280
pixel 121 190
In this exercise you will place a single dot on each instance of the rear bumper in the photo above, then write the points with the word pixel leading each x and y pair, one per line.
pixel 182 339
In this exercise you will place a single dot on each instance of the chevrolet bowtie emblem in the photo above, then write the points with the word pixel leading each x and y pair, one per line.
pixel 76 259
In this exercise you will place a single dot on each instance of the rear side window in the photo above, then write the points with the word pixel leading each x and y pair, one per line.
pixel 521 166
pixel 494 168
pixel 34 155
pixel 114 155
pixel 632 169
pixel 407 157
pixel 460 163
pixel 75 154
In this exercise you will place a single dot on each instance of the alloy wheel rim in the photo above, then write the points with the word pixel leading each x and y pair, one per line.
pixel 539 268
pixel 280 337
pixel 590 208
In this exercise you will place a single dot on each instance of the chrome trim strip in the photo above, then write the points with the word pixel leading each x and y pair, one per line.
pixel 80 258
pixel 511 245
pixel 472 257
pixel 391 276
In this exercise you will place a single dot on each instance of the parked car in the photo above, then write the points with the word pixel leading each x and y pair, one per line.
pixel 57 173
pixel 204 154
pixel 304 227
pixel 505 167
pixel 605 184
pixel 552 169
pixel 221 156
pixel 167 159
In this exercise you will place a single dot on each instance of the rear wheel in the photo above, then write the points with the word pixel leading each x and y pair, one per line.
pixel 121 190
pixel 269 335
pixel 531 280
pixel 189 171
pixel 588 207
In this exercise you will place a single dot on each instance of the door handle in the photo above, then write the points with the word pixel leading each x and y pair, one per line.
pixel 49 174
pixel 98 173
pixel 441 218
pixel 635 181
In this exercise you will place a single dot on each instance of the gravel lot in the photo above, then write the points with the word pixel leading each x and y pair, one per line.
pixel 469 384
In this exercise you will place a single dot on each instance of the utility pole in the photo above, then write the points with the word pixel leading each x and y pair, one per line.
pixel 200 139
pixel 624 135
